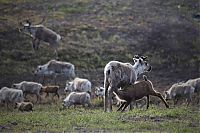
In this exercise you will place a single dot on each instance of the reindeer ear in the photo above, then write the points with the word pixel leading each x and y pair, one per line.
pixel 144 57
pixel 136 56
pixel 135 60
pixel 28 22
pixel 20 23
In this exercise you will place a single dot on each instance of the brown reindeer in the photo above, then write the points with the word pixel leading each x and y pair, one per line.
pixel 50 89
pixel 137 91
pixel 24 106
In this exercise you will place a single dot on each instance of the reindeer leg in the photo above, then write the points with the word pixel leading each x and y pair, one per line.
pixel 37 98
pixel 7 105
pixel 131 105
pixel 188 102
pixel 147 101
pixel 53 99
pixel 43 79
pixel 56 53
pixel 25 95
pixel 58 95
pixel 106 100
pixel 55 77
pixel 175 101
pixel 47 94
pixel 40 98
pixel 126 104
pixel 198 98
pixel 189 99
pixel 136 104
pixel 121 106
pixel 33 43
pixel 54 47
pixel 161 97
pixel 54 96
pixel 143 103
pixel 110 95
pixel 37 44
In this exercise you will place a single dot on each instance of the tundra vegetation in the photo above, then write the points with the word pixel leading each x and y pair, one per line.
pixel 51 118
pixel 94 33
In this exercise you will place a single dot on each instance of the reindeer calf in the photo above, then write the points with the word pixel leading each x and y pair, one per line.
pixel 137 91
pixel 50 89
pixel 24 106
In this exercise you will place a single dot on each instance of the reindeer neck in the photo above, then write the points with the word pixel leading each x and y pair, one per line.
pixel 33 30
pixel 137 71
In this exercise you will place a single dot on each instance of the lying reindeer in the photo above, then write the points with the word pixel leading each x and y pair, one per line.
pixel 41 33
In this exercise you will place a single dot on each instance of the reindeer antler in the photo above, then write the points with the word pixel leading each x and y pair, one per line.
pixel 43 19
pixel 28 22
pixel 136 56
pixel 19 24
pixel 144 57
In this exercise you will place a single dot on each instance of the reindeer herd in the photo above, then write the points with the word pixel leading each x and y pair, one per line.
pixel 120 81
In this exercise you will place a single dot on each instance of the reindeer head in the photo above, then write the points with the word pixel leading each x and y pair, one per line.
pixel 27 27
pixel 141 65
pixel 43 69
pixel 99 91
pixel 66 104
pixel 17 105
pixel 167 96
pixel 68 87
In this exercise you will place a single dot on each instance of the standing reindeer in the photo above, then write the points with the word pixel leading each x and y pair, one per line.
pixel 118 74
pixel 41 33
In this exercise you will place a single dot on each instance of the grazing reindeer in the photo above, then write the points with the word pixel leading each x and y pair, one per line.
pixel 41 33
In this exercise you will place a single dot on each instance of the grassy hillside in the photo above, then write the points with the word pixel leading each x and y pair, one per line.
pixel 95 32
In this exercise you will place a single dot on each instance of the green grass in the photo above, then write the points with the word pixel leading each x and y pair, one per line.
pixel 51 118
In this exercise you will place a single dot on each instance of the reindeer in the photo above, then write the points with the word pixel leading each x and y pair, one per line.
pixel 39 33
pixel 118 74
